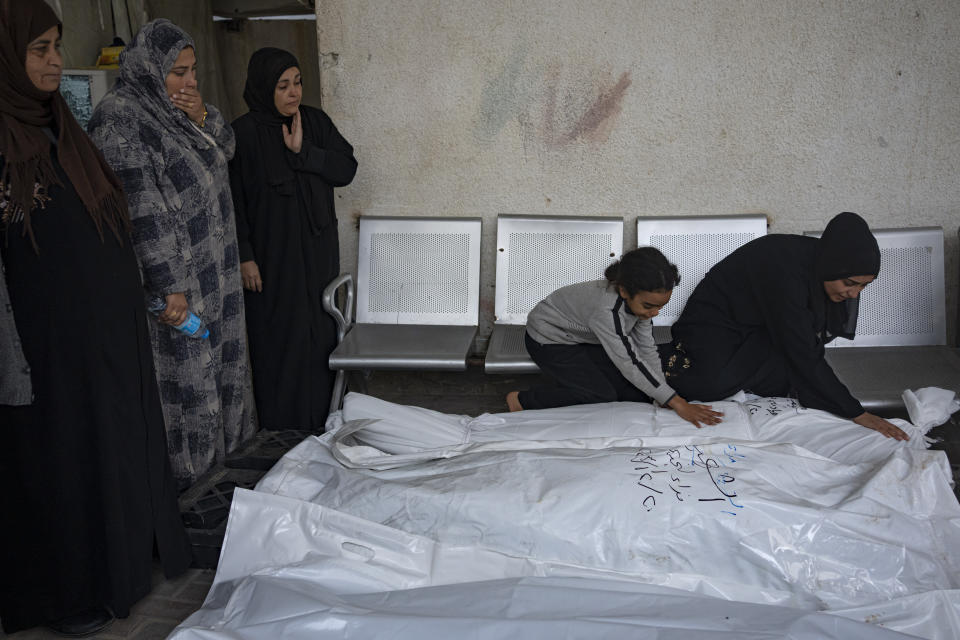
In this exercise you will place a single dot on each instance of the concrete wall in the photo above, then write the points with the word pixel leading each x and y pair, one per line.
pixel 640 107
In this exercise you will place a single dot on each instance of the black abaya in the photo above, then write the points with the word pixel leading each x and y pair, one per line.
pixel 87 488
pixel 759 321
pixel 287 224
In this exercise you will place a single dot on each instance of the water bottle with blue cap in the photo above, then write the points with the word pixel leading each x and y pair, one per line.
pixel 193 326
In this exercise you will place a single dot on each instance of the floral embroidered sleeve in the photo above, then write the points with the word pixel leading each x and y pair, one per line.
pixel 10 213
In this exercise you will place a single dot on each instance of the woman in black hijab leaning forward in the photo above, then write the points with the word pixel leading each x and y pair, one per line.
pixel 87 488
pixel 289 158
pixel 760 318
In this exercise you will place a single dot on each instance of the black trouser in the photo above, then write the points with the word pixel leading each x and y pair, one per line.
pixel 581 373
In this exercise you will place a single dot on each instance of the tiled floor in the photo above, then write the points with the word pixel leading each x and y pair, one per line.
pixel 470 392
pixel 154 617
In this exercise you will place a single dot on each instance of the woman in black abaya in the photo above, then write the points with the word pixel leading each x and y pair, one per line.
pixel 87 488
pixel 760 318
pixel 288 160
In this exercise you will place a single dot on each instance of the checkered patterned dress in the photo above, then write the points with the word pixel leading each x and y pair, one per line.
pixel 176 181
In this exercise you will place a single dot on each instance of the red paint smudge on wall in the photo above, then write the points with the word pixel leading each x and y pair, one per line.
pixel 597 120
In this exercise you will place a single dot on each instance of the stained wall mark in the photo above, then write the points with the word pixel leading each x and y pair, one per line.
pixel 553 107
pixel 502 97
pixel 597 120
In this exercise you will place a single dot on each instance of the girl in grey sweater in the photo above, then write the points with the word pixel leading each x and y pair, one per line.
pixel 595 340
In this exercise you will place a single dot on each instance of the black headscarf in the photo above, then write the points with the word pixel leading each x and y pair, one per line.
pixel 263 72
pixel 846 248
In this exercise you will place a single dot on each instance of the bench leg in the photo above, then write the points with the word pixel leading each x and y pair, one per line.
pixel 344 381
pixel 339 388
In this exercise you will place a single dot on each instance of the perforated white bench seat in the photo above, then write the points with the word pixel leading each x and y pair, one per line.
pixel 536 255
pixel 695 244
pixel 417 295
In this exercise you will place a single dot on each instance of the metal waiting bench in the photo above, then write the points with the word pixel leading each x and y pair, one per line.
pixel 417 297
pixel 694 244
pixel 536 255
pixel 901 328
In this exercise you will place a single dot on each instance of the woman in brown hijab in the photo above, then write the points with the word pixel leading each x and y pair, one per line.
pixel 87 490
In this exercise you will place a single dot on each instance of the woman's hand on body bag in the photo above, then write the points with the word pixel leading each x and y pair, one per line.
pixel 250 273
pixel 191 103
pixel 175 312
pixel 877 423
pixel 293 135
pixel 695 413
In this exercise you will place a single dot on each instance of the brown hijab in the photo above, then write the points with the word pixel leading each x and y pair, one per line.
pixel 26 110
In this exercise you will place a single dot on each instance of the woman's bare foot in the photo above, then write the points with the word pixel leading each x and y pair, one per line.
pixel 513 401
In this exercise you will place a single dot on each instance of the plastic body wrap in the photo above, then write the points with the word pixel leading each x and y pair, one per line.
pixel 536 531
pixel 297 570
pixel 401 429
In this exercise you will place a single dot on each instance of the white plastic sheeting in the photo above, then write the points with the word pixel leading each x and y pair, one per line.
pixel 753 517
pixel 326 574
pixel 930 406
pixel 541 531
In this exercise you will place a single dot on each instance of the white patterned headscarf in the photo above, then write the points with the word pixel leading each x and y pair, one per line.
pixel 144 66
